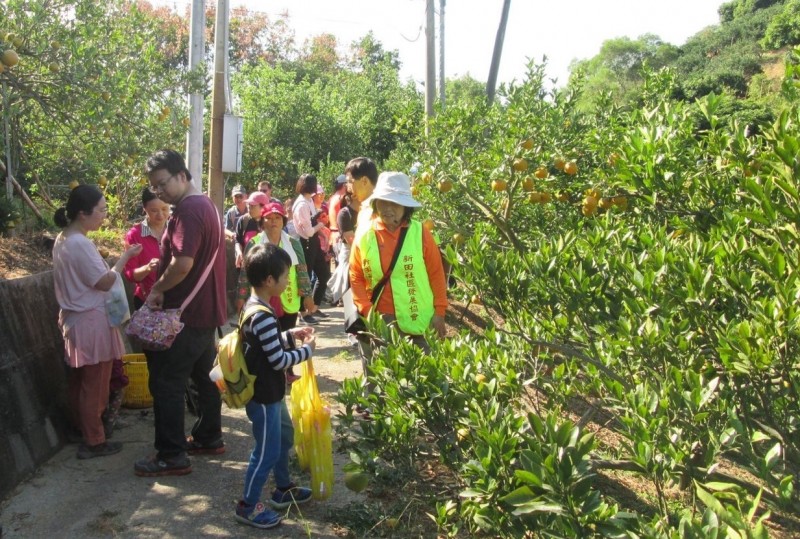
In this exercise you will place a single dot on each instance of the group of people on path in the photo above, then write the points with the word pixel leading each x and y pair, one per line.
pixel 179 246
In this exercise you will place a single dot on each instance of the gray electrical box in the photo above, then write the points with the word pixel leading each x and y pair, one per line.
pixel 232 143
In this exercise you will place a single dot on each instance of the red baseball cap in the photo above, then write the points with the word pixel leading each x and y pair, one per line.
pixel 273 207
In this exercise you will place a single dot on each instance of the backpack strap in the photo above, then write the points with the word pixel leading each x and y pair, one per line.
pixel 250 311
pixel 244 316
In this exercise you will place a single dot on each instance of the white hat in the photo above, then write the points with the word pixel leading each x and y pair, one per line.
pixel 394 187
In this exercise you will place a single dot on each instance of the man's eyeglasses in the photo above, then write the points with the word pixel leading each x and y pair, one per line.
pixel 160 185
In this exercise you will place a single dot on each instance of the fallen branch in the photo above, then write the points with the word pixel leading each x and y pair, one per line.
pixel 21 192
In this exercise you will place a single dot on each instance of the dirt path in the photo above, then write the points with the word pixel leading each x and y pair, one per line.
pixel 103 498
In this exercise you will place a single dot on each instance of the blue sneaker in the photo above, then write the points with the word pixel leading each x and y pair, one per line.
pixel 285 497
pixel 257 515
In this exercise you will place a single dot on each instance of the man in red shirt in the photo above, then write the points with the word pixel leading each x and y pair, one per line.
pixel 192 258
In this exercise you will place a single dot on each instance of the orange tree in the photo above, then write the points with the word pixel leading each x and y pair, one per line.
pixel 646 279
pixel 98 86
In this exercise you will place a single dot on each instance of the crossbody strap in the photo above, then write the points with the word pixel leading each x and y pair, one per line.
pixel 204 276
pixel 376 292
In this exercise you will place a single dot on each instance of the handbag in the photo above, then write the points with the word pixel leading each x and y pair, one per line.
pixel 353 322
pixel 117 307
pixel 157 330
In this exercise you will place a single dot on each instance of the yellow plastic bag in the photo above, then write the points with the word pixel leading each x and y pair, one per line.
pixel 301 429
pixel 311 417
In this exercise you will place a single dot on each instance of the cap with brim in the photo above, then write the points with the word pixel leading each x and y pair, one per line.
pixel 273 207
pixel 238 190
pixel 394 187
pixel 341 179
pixel 257 197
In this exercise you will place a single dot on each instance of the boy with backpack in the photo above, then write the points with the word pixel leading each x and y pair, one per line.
pixel 268 353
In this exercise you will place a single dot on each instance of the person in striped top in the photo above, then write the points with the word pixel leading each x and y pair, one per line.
pixel 268 352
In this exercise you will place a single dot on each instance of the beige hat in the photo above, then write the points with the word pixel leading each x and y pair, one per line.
pixel 394 187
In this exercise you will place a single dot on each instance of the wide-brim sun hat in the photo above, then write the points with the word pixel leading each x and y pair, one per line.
pixel 394 187
pixel 257 197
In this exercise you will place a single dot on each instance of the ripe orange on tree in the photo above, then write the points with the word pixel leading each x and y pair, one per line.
pixel 593 193
pixel 559 163
pixel 571 168
pixel 10 58
pixel 541 173
pixel 499 185
pixel 425 178
pixel 445 186
pixel 520 164
pixel 527 184
pixel 589 205
pixel 527 144
pixel 605 203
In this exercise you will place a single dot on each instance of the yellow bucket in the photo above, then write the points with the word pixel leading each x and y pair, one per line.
pixel 137 394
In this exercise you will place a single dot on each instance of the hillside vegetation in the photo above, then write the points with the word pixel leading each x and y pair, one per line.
pixel 735 58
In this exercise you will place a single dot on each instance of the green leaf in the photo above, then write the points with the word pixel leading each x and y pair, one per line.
pixel 538 507
pixel 470 493
pixel 709 500
pixel 719 486
pixel 519 496
pixel 772 456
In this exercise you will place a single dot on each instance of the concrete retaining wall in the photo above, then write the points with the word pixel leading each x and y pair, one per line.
pixel 33 375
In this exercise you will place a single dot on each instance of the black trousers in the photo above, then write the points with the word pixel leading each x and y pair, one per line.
pixel 191 355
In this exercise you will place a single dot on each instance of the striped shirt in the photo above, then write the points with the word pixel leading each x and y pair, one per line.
pixel 269 352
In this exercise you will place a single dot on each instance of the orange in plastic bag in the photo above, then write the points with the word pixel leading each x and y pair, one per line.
pixel 311 417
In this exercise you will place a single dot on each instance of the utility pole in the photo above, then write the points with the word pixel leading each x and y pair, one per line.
pixel 491 84
pixel 441 52
pixel 430 49
pixel 194 138
pixel 215 179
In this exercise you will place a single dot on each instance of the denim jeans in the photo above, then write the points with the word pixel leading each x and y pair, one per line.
pixel 191 355
pixel 274 436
